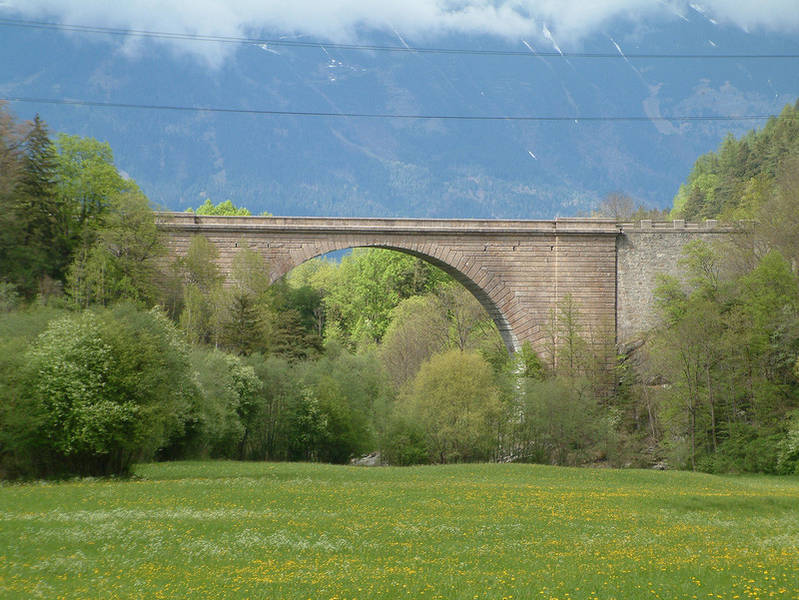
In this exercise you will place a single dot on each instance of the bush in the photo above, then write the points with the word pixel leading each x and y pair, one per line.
pixel 346 394
pixel 224 396
pixel 788 458
pixel 560 423
pixel 749 449
pixel 98 391
pixel 405 443
pixel 454 400
pixel 268 423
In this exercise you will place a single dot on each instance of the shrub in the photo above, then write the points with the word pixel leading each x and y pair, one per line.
pixel 99 391
pixel 455 401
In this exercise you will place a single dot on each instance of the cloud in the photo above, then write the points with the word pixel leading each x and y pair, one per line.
pixel 768 15
pixel 568 21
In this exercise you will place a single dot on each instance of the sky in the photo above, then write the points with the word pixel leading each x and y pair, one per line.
pixel 559 24
pixel 88 83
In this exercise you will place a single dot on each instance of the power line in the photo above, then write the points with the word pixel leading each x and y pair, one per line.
pixel 368 47
pixel 290 113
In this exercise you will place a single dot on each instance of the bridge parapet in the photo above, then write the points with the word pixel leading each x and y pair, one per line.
pixel 473 227
pixel 681 226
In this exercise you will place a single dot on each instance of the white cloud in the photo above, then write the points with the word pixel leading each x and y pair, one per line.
pixel 343 20
pixel 769 15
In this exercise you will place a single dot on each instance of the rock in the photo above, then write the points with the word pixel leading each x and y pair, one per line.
pixel 628 348
pixel 370 460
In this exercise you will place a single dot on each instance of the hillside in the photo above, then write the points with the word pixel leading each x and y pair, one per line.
pixel 295 165
pixel 739 178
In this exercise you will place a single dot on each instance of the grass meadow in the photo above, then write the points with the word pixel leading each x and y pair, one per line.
pixel 263 530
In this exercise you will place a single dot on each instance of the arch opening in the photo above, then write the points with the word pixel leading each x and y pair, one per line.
pixel 485 299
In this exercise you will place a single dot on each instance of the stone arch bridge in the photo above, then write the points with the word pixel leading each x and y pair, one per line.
pixel 518 270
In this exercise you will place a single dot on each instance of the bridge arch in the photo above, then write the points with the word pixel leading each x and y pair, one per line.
pixel 517 270
pixel 489 292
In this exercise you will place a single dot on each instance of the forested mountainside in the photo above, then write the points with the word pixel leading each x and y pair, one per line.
pixel 327 166
pixel 726 352
pixel 739 179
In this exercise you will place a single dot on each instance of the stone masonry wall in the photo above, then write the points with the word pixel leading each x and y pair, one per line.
pixel 643 250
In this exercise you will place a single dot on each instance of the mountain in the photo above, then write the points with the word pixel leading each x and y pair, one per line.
pixel 361 166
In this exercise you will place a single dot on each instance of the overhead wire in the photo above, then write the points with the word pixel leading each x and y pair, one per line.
pixel 449 117
pixel 372 47
pixel 367 47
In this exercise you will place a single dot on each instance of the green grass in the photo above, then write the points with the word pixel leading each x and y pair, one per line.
pixel 254 530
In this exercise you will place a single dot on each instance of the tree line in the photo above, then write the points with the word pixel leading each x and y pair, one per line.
pixel 113 354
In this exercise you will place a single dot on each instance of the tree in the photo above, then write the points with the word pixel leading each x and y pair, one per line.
pixel 27 252
pixel 617 206
pixel 217 418
pixel 726 349
pixel 225 208
pixel 778 216
pixel 243 332
pixel 87 184
pixel 418 330
pixel 123 262
pixel 569 351
pixel 556 423
pixel 741 175
pixel 205 300
pixel 269 424
pixel 456 402
pixel 103 389
pixel 370 284
pixel 11 140
pixel 687 354
pixel 11 219
pixel 37 203
pixel 470 325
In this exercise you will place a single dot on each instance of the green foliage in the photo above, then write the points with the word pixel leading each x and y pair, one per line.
pixel 123 261
pixel 529 364
pixel 203 295
pixel 405 443
pixel 558 423
pixel 788 458
pixel 348 396
pixel 27 191
pixel 418 330
pixel 295 320
pixel 456 402
pixel 9 296
pixel 272 414
pixel 727 350
pixel 216 418
pixel 69 214
pixel 738 179
pixel 369 285
pixel 225 209
pixel 87 185
pixel 98 391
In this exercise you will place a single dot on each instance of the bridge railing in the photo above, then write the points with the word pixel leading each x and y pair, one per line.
pixel 680 225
